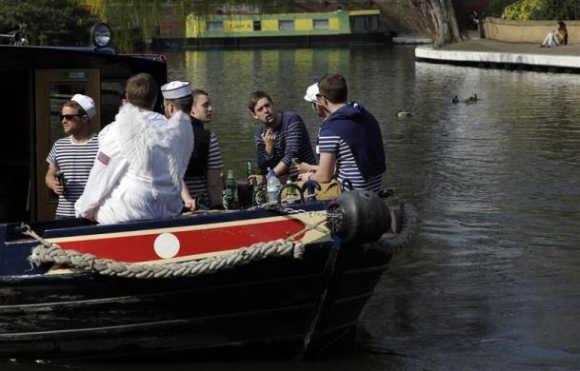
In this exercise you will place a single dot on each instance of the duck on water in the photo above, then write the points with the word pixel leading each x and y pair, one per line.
pixel 472 99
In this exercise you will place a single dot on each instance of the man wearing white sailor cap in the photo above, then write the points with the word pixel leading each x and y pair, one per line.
pixel 177 101
pixel 71 158
pixel 312 95
pixel 138 172
pixel 176 97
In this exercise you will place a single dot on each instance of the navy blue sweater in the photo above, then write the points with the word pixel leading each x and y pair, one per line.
pixel 292 141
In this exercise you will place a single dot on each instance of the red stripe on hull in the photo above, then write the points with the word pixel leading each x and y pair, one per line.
pixel 194 242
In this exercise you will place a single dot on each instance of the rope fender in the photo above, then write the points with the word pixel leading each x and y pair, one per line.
pixel 394 243
pixel 51 253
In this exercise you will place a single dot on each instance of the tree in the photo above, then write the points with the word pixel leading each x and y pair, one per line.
pixel 47 22
pixel 495 8
pixel 541 9
pixel 438 16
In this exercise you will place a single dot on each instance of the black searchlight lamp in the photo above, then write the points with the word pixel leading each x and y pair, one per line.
pixel 101 37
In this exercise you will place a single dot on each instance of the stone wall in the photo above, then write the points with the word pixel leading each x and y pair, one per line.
pixel 527 31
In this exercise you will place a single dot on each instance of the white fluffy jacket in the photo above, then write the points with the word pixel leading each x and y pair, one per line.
pixel 138 171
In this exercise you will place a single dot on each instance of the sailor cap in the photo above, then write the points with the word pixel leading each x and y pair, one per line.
pixel 311 93
pixel 176 89
pixel 87 103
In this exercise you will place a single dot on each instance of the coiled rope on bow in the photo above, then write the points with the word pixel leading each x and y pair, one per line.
pixel 50 253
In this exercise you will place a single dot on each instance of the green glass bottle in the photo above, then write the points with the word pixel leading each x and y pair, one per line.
pixel 251 184
pixel 230 194
pixel 249 170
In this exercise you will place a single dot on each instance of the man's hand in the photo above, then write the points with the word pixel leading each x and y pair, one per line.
pixel 55 185
pixel 91 215
pixel 304 167
pixel 306 176
pixel 269 138
pixel 189 203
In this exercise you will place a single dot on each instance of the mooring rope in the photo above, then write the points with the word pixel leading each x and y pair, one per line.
pixel 49 252
pixel 394 243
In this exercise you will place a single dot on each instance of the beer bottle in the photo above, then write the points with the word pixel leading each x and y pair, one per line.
pixel 230 194
pixel 251 184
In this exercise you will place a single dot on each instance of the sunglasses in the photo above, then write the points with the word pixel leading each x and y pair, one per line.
pixel 70 117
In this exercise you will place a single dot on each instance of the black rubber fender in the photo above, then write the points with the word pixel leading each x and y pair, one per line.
pixel 359 216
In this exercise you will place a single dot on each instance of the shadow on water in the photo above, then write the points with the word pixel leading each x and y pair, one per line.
pixel 492 280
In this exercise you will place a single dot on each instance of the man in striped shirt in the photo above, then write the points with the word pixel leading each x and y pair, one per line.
pixel 350 141
pixel 281 137
pixel 204 171
pixel 71 158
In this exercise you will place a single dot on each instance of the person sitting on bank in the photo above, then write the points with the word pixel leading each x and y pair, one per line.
pixel 350 142
pixel 556 37
pixel 71 158
pixel 138 172
pixel 281 137
pixel 203 177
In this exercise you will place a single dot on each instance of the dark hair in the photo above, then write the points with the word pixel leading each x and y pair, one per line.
pixel 183 104
pixel 334 88
pixel 75 105
pixel 563 31
pixel 561 24
pixel 197 92
pixel 255 97
pixel 142 90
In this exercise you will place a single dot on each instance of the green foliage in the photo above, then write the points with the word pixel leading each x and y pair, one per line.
pixel 542 9
pixel 496 7
pixel 134 22
pixel 47 22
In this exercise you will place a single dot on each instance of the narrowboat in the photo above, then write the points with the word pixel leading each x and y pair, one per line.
pixel 304 29
pixel 292 278
pixel 288 280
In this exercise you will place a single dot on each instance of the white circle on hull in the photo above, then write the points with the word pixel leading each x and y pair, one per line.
pixel 166 245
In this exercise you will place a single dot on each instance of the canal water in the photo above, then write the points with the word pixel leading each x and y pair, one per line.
pixel 493 279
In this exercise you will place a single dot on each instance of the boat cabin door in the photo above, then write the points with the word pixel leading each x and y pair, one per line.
pixel 52 88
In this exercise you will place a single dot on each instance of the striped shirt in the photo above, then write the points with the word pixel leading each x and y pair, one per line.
pixel 75 161
pixel 292 141
pixel 346 166
pixel 197 186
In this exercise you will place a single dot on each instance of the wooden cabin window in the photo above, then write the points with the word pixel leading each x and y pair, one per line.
pixel 286 25
pixel 215 26
pixel 257 25
pixel 320 24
